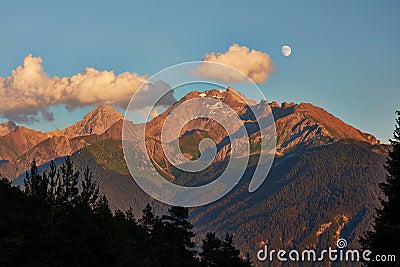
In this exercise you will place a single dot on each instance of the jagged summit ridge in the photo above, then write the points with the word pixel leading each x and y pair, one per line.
pixel 304 123
pixel 98 121
pixel 296 125
pixel 291 119
pixel 7 127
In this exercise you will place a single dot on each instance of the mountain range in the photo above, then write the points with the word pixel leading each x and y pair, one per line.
pixel 323 183
pixel 296 125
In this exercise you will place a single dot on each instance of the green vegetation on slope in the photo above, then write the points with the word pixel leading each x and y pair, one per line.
pixel 61 220
pixel 109 154
pixel 335 184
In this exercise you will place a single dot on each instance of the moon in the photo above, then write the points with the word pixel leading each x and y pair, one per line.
pixel 286 50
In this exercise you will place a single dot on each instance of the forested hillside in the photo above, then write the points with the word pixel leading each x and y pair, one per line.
pixel 310 198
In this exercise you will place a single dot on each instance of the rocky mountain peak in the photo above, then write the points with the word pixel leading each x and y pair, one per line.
pixel 102 111
pixel 97 122
pixel 304 123
pixel 296 124
pixel 7 127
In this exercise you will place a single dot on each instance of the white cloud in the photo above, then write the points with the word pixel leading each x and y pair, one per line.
pixel 29 91
pixel 254 64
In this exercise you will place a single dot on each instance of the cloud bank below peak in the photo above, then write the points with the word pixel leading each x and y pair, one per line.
pixel 254 64
pixel 29 92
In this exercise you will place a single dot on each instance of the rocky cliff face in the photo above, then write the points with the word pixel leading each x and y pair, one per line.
pixel 22 145
pixel 305 123
pixel 296 125
pixel 7 127
pixel 97 122
pixel 19 141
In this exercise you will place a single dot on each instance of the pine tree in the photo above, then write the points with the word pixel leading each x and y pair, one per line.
pixel 148 219
pixel 55 222
pixel 216 252
pixel 36 184
pixel 152 227
pixel 90 192
pixel 177 245
pixel 177 220
pixel 12 224
pixel 69 182
pixel 211 250
pixel 385 237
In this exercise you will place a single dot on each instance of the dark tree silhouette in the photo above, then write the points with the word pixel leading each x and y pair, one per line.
pixel 35 184
pixel 60 219
pixel 217 252
pixel 148 220
pixel 176 238
pixel 385 237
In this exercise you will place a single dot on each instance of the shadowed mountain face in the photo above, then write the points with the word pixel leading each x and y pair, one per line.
pixel 18 141
pixel 309 199
pixel 323 183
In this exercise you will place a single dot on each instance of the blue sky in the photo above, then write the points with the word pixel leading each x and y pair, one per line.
pixel 345 53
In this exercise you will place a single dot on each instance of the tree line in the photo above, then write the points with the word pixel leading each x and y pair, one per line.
pixel 61 219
